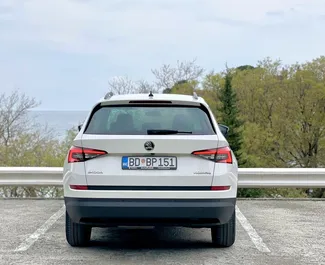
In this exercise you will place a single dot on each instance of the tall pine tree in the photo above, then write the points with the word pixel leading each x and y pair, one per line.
pixel 229 116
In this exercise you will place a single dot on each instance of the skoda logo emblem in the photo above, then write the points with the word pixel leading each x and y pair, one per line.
pixel 149 145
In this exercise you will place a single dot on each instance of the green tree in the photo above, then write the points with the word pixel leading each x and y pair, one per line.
pixel 212 84
pixel 167 91
pixel 229 116
pixel 184 87
pixel 245 67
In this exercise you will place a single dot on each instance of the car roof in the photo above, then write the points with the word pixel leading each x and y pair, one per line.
pixel 169 97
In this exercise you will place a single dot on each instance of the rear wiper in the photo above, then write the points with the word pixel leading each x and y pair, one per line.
pixel 167 132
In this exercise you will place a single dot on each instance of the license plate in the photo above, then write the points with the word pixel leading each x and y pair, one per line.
pixel 147 162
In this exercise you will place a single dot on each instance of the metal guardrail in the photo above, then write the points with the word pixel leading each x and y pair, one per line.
pixel 31 176
pixel 281 177
pixel 248 177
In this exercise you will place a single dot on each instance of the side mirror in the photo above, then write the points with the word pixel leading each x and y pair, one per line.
pixel 79 127
pixel 224 129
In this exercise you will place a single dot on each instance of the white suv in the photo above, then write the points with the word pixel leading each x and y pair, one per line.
pixel 150 160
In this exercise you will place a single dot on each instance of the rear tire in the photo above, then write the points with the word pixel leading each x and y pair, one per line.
pixel 224 235
pixel 77 235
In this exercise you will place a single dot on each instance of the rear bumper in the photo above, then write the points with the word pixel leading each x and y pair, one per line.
pixel 165 212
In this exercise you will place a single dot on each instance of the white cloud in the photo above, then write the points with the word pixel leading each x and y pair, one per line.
pixel 75 44
pixel 91 26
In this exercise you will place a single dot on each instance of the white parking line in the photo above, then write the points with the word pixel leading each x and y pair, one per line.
pixel 257 240
pixel 29 241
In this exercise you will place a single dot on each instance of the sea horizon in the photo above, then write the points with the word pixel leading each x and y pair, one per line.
pixel 60 121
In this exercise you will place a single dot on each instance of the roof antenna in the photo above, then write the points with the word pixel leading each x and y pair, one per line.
pixel 195 95
pixel 109 95
pixel 150 94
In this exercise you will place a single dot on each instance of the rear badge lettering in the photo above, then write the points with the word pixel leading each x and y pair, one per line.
pixel 95 172
pixel 202 173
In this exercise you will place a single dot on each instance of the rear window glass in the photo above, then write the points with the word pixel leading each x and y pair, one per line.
pixel 136 120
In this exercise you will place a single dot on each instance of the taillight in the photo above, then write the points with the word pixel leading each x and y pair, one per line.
pixel 79 154
pixel 218 155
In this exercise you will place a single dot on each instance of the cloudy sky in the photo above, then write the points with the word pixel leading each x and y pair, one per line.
pixel 63 52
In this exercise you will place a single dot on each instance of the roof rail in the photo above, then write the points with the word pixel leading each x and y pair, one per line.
pixel 195 95
pixel 108 95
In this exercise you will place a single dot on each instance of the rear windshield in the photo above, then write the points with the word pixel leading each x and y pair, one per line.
pixel 137 120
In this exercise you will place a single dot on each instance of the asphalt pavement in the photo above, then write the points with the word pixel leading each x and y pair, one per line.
pixel 268 232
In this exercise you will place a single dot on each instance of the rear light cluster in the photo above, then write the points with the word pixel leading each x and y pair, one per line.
pixel 218 155
pixel 79 154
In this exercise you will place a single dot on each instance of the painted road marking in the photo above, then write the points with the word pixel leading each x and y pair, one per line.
pixel 29 241
pixel 257 240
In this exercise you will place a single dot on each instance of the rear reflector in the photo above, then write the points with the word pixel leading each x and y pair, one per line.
pixel 220 187
pixel 218 155
pixel 79 154
pixel 85 187
pixel 79 187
